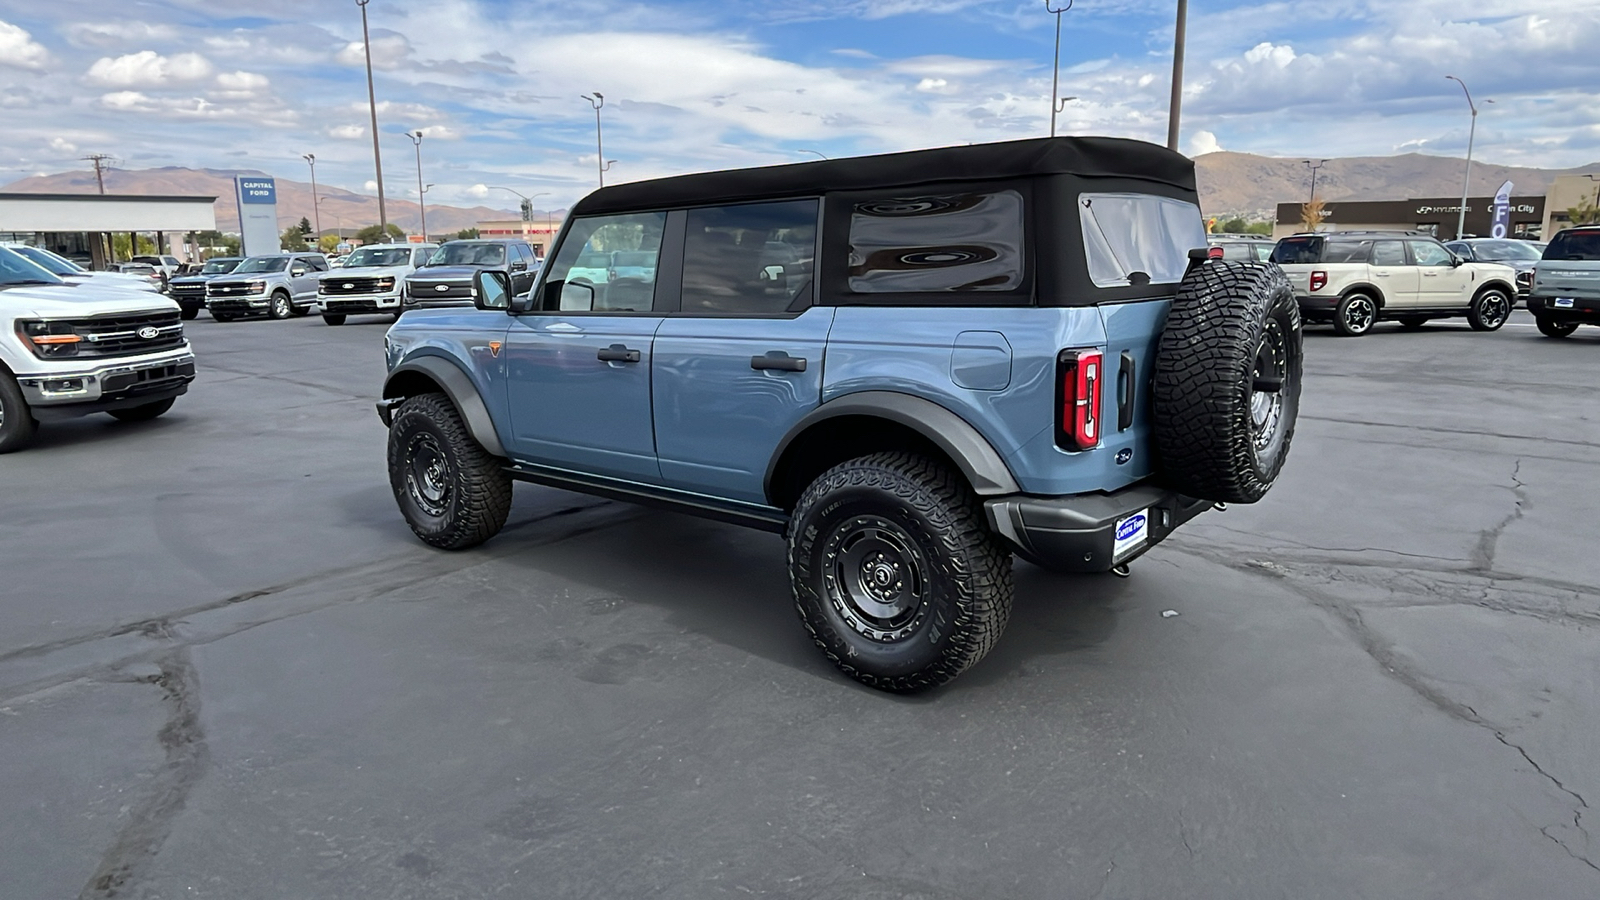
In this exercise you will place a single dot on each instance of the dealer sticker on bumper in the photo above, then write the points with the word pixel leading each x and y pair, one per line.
pixel 1132 533
pixel 1564 302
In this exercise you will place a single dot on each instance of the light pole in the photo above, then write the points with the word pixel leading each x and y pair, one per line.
pixel 338 219
pixel 1314 167
pixel 372 104
pixel 1061 105
pixel 527 205
pixel 1472 133
pixel 1174 113
pixel 818 153
pixel 422 206
pixel 1055 70
pixel 598 101
pixel 316 205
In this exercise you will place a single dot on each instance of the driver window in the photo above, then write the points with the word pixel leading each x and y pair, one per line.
pixel 1388 253
pixel 1428 254
pixel 591 282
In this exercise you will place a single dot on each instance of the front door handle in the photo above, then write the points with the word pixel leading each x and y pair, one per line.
pixel 779 360
pixel 617 353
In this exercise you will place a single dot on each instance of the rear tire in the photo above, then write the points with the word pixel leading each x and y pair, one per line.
pixel 895 574
pixel 333 318
pixel 17 425
pixel 143 413
pixel 1355 315
pixel 1551 328
pixel 1227 382
pixel 222 317
pixel 1489 310
pixel 453 493
pixel 1413 323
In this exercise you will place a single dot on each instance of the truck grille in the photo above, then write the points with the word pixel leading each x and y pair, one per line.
pixel 128 334
pixel 334 287
pixel 423 291
pixel 190 291
pixel 227 290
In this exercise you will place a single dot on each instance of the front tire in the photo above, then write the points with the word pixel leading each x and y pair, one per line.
pixel 895 575
pixel 453 493
pixel 1551 328
pixel 333 318
pixel 1355 315
pixel 143 413
pixel 1489 310
pixel 280 307
pixel 17 425
pixel 188 313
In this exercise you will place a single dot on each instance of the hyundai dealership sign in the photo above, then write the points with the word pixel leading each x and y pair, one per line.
pixel 258 214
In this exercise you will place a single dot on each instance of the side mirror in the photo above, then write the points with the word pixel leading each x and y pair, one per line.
pixel 1456 261
pixel 491 290
pixel 297 271
pixel 519 266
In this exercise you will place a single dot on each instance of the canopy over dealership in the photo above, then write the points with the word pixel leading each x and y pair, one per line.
pixel 80 224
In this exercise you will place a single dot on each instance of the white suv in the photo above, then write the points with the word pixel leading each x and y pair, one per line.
pixel 68 350
pixel 1355 279
pixel 371 280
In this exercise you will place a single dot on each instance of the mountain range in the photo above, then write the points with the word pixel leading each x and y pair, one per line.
pixel 1230 184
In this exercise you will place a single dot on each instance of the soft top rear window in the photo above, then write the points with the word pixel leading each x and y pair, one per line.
pixel 1134 239
pixel 1574 245
pixel 937 243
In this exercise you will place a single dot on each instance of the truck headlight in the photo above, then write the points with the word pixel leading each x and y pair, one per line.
pixel 49 340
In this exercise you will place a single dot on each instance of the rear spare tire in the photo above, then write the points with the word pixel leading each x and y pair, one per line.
pixel 1227 381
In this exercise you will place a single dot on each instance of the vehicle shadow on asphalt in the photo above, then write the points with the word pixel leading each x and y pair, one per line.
pixel 99 428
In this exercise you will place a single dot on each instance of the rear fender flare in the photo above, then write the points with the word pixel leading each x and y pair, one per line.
pixel 1371 290
pixel 456 385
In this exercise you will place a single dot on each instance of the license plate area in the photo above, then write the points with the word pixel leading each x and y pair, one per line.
pixel 1131 535
pixel 1564 302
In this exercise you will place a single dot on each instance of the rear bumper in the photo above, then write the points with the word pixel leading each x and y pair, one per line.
pixel 1080 533
pixel 1584 310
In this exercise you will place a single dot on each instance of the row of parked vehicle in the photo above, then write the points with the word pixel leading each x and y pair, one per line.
pixel 1353 280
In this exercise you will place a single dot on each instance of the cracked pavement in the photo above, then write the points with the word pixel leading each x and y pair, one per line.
pixel 227 670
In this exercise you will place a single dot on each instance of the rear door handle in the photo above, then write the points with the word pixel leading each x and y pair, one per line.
pixel 779 360
pixel 618 353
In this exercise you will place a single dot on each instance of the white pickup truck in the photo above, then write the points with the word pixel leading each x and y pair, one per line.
pixel 69 350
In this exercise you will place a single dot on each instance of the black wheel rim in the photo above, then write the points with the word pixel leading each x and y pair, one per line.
pixel 428 475
pixel 1268 381
pixel 876 578
pixel 1493 310
pixel 1358 313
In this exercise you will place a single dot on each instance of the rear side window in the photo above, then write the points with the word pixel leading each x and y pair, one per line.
pixel 752 259
pixel 1388 253
pixel 938 243
pixel 1134 239
pixel 1349 252
pixel 1574 245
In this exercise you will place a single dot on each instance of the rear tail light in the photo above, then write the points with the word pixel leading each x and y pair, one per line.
pixel 1214 253
pixel 1319 280
pixel 1079 374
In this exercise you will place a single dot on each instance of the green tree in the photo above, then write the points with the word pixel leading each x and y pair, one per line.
pixel 305 226
pixel 292 239
pixel 328 243
pixel 1584 212
pixel 122 250
pixel 467 234
pixel 372 234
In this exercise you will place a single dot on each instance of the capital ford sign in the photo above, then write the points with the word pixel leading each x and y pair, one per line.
pixel 258 190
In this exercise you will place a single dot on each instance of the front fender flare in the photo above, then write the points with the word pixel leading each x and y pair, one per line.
pixel 972 453
pixel 458 386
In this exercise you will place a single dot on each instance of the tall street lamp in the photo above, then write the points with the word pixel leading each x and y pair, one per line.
pixel 416 138
pixel 336 218
pixel 1314 167
pixel 316 205
pixel 1176 109
pixel 1466 181
pixel 598 100
pixel 527 205
pixel 1055 70
pixel 372 104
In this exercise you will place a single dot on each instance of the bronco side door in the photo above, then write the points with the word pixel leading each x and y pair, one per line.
pixel 738 359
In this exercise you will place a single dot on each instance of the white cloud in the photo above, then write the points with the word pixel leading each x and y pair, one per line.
pixel 61 145
pixel 1273 54
pixel 440 132
pixel 1203 142
pixel 478 190
pixel 347 132
pixel 371 186
pixel 932 85
pixel 389 51
pixel 118 33
pixel 149 69
pixel 124 100
pixel 19 50
pixel 238 85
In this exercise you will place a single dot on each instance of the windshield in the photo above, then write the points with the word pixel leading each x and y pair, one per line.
pixel 1506 250
pixel 1576 245
pixel 465 254
pixel 18 269
pixel 47 261
pixel 369 257
pixel 219 266
pixel 262 264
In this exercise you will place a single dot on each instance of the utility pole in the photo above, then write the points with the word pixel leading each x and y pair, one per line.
pixel 1466 181
pixel 102 161
pixel 1055 70
pixel 316 205
pixel 1175 111
pixel 416 138
pixel 1314 167
pixel 372 103
pixel 601 163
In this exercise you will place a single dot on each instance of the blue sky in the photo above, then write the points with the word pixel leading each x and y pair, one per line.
pixel 694 84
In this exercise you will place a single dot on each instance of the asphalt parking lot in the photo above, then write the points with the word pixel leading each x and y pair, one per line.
pixel 227 669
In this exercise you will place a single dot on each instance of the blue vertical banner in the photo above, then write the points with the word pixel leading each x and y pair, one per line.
pixel 1502 211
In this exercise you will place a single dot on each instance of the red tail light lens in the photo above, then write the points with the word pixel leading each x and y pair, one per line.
pixel 1214 253
pixel 1319 280
pixel 1079 373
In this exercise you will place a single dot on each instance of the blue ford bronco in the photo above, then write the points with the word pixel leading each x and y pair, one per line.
pixel 912 365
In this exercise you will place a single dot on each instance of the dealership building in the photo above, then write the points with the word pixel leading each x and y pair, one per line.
pixel 1531 217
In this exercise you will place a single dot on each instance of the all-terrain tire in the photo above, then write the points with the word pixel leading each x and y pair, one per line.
pixel 333 318
pixel 17 425
pixel 143 413
pixel 1490 309
pixel 895 574
pixel 1227 382
pixel 453 493
pixel 1551 328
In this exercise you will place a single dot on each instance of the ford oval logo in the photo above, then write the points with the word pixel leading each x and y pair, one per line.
pixel 1124 455
pixel 348 286
pixel 441 288
pixel 149 333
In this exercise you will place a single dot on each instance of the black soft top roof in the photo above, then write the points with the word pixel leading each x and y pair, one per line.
pixel 1089 157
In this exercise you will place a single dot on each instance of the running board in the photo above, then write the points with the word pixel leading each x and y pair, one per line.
pixel 749 515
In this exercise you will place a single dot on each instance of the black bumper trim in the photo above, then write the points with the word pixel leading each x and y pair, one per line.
pixel 126 400
pixel 1078 533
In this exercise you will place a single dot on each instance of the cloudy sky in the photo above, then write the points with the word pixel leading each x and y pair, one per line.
pixel 697 84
